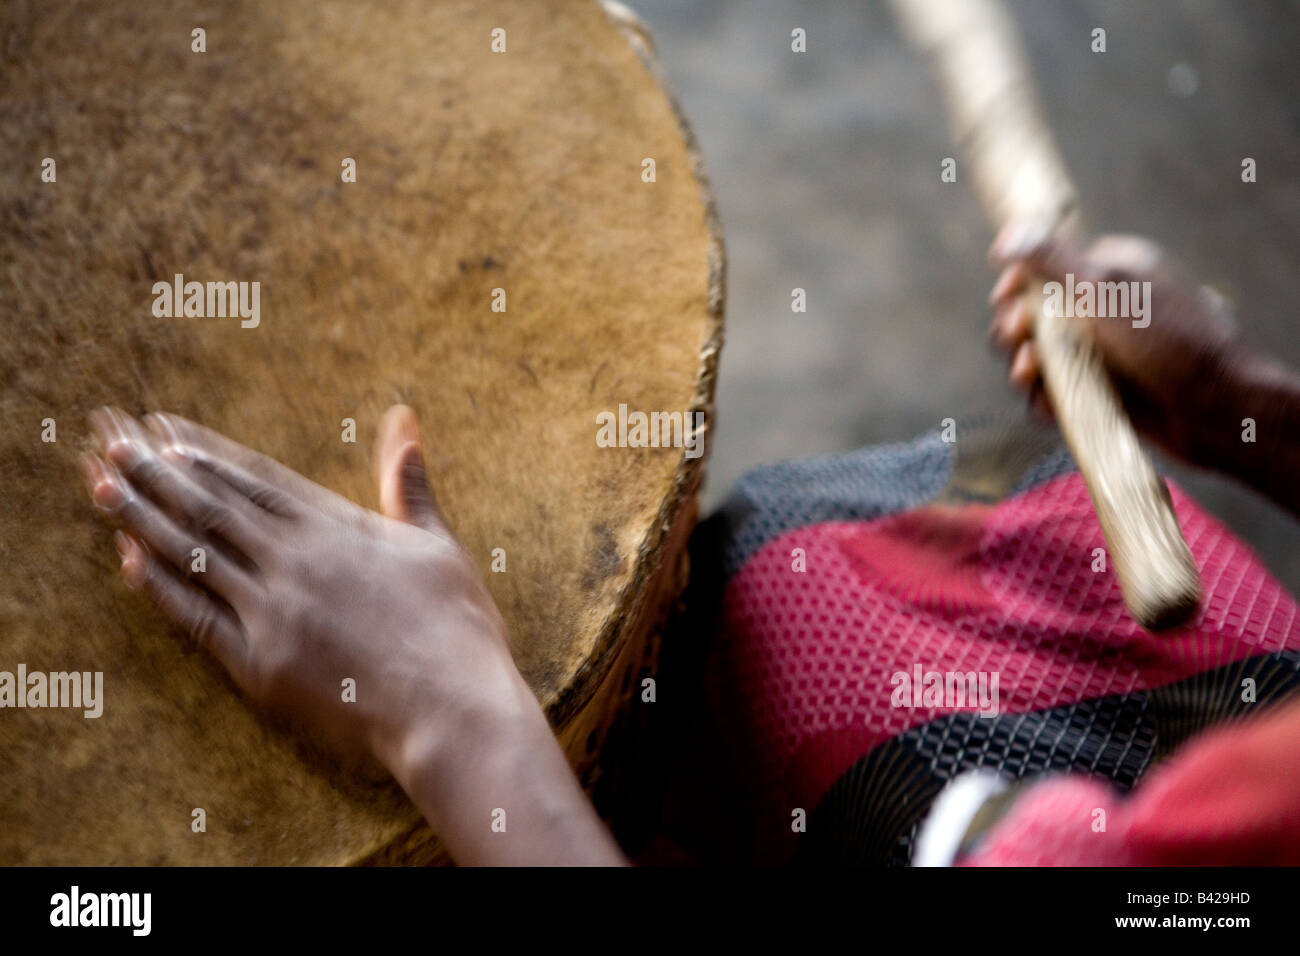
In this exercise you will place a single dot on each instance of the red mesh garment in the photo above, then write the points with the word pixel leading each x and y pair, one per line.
pixel 801 680
pixel 1230 798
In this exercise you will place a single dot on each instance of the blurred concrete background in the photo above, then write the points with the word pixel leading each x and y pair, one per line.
pixel 826 169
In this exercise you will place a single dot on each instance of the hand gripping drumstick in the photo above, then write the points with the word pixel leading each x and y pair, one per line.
pixel 1020 177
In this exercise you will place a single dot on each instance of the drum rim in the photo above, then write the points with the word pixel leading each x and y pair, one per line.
pixel 629 608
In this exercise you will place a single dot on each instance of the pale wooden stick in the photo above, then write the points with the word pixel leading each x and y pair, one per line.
pixel 1020 177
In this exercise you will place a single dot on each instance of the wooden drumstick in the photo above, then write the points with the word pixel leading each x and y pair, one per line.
pixel 1020 177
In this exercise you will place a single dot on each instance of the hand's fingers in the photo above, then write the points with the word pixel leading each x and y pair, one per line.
pixel 268 497
pixel 404 491
pixel 420 505
pixel 1044 253
pixel 1011 282
pixel 1012 325
pixel 1016 240
pixel 182 431
pixel 409 486
pixel 181 455
pixel 94 471
pixel 169 486
pixel 210 623
pixel 182 459
pixel 110 424
pixel 146 521
pixel 1024 367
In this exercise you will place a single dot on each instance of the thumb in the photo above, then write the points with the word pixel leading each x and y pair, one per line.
pixel 404 493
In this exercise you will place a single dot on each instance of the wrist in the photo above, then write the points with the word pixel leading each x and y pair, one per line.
pixel 463 765
pixel 1221 392
pixel 1252 436
pixel 437 741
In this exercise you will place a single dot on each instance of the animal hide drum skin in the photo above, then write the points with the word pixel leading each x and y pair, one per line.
pixel 475 171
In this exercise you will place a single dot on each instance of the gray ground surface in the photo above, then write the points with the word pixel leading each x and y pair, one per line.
pixel 826 169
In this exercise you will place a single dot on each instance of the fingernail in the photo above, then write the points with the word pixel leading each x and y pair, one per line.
pixel 122 543
pixel 1021 363
pixel 124 453
pixel 107 425
pixel 89 467
pixel 1006 282
pixel 108 495
pixel 161 427
pixel 1006 239
pixel 178 454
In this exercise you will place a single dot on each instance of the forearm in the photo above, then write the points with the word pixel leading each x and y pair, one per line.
pixel 1254 436
pixel 498 790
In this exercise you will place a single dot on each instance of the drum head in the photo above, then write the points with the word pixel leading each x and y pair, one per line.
pixel 475 171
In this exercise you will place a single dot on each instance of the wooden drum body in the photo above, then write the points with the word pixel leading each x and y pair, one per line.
pixel 476 171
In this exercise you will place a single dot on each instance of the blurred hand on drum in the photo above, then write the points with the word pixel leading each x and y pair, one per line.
pixel 298 590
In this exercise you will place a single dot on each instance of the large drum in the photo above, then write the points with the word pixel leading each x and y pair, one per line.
pixel 489 211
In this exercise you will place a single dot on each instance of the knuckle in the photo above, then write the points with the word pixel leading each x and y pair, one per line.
pixel 144 522
pixel 213 517
pixel 269 499
pixel 130 511
pixel 1121 258
pixel 203 626
pixel 1114 272
pixel 270 671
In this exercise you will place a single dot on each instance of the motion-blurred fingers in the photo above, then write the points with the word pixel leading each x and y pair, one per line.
pixel 211 623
